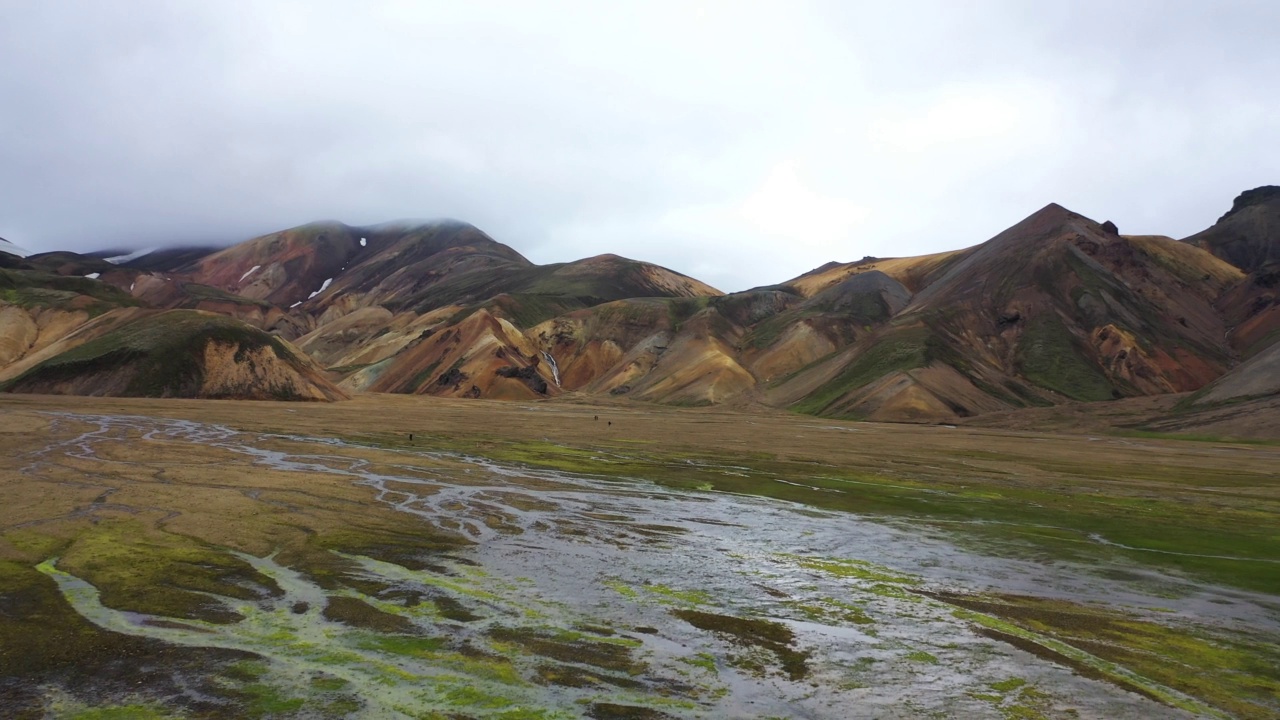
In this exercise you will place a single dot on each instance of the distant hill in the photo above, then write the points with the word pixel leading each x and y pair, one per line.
pixel 1058 308
pixel 174 353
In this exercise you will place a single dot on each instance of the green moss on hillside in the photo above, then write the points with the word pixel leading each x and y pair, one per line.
pixel 769 331
pixel 637 311
pixel 623 276
pixel 205 292
pixel 681 309
pixel 1051 357
pixel 424 376
pixel 31 289
pixel 527 310
pixel 899 349
pixel 168 349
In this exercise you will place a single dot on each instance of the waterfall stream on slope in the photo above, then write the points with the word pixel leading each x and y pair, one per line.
pixel 555 369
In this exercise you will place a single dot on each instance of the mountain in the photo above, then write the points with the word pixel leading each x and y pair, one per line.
pixel 1058 308
pixel 1258 377
pixel 912 272
pixel 436 308
pixel 1248 237
pixel 171 353
pixel 362 299
pixel 416 266
pixel 675 350
pixel 78 324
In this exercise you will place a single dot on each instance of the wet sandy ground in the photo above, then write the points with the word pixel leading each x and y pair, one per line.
pixel 599 552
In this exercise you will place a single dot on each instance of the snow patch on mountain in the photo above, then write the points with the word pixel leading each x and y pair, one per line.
pixel 131 256
pixel 322 288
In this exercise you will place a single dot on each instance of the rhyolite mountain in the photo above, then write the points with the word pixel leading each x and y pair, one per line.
pixel 1248 237
pixel 349 296
pixel 170 353
pixel 1058 308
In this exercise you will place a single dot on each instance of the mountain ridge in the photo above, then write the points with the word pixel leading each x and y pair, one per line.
pixel 1057 308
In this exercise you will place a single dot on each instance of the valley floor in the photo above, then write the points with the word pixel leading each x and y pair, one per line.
pixel 398 556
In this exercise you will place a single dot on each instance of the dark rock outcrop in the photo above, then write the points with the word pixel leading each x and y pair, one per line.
pixel 1248 235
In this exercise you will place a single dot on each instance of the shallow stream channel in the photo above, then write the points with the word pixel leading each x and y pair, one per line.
pixel 590 596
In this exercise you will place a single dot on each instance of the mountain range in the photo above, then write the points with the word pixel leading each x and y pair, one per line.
pixel 1056 309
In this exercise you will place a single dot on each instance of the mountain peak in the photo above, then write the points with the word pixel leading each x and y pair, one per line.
pixel 1248 236
pixel 602 259
pixel 1264 195
pixel 322 225
pixel 1053 213
pixel 408 224
pixel 1039 226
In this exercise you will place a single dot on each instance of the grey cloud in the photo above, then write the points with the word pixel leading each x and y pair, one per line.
pixel 655 130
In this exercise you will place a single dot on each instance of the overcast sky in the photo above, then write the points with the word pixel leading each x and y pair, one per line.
pixel 741 143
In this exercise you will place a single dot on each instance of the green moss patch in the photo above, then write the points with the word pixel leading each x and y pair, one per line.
pixel 204 292
pixel 1231 672
pixel 1051 357
pixel 140 569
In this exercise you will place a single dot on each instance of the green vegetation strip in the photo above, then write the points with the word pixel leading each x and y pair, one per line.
pixel 1116 673
pixel 1219 677
pixel 333 651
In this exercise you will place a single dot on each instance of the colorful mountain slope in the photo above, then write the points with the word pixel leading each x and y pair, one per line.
pixel 1056 309
pixel 173 353
pixel 78 333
